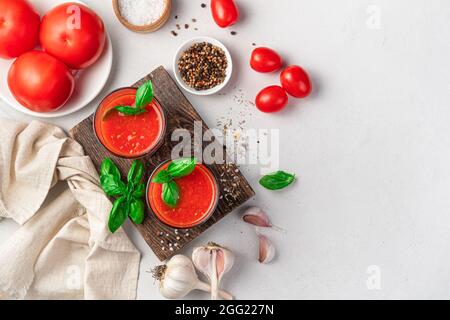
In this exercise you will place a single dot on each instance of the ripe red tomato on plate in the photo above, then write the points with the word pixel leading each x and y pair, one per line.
pixel 296 81
pixel 265 60
pixel 271 99
pixel 225 12
pixel 74 34
pixel 19 28
pixel 40 82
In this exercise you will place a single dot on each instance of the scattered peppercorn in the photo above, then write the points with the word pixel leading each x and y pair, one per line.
pixel 178 27
pixel 203 66
pixel 203 5
pixel 176 17
pixel 194 20
pixel 174 33
pixel 186 26
pixel 233 33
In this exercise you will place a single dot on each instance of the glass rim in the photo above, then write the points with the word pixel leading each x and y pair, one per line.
pixel 146 153
pixel 213 207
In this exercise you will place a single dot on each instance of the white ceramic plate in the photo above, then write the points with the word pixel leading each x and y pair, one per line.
pixel 89 82
pixel 186 46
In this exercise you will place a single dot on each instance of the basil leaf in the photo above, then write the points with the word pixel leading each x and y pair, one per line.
pixel 112 185
pixel 144 94
pixel 182 167
pixel 130 111
pixel 118 214
pixel 139 191
pixel 108 167
pixel 276 181
pixel 136 210
pixel 170 193
pixel 162 177
pixel 136 172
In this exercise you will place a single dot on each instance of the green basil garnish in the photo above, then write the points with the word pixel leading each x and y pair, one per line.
pixel 177 169
pixel 170 193
pixel 144 95
pixel 136 210
pixel 108 167
pixel 276 181
pixel 118 214
pixel 139 191
pixel 130 111
pixel 129 201
pixel 181 167
pixel 112 185
pixel 162 177
pixel 136 172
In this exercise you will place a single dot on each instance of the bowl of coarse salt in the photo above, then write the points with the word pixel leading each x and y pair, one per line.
pixel 142 16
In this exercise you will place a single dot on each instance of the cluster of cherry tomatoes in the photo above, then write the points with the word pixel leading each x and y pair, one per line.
pixel 72 37
pixel 294 81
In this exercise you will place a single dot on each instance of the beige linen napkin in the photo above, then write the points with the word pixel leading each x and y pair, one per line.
pixel 63 250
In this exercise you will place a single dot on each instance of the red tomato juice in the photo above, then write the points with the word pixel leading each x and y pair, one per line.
pixel 128 136
pixel 198 198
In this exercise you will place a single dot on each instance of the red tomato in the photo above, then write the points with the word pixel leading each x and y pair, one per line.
pixel 40 82
pixel 19 28
pixel 296 82
pixel 265 60
pixel 74 34
pixel 271 99
pixel 224 12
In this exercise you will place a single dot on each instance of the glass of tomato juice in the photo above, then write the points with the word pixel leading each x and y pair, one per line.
pixel 129 136
pixel 199 196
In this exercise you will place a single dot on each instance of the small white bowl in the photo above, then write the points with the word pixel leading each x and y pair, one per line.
pixel 186 46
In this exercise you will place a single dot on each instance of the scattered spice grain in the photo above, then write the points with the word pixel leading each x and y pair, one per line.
pixel 233 33
pixel 174 33
pixel 203 5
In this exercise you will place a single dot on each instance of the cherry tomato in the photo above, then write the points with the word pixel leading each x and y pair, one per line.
pixel 19 28
pixel 265 60
pixel 271 99
pixel 74 34
pixel 296 82
pixel 224 12
pixel 40 82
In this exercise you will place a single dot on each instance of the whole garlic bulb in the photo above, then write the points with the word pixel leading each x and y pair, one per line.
pixel 178 278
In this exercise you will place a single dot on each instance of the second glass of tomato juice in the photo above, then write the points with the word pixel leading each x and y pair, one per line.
pixel 198 197
pixel 129 135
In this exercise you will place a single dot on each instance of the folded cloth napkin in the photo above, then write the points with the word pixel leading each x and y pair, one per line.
pixel 63 249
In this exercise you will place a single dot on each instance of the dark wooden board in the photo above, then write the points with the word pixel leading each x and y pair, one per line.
pixel 234 188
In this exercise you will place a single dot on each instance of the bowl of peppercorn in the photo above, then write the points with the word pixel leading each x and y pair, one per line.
pixel 203 66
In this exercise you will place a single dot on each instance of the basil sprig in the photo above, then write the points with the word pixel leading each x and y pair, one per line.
pixel 128 201
pixel 144 95
pixel 277 180
pixel 177 169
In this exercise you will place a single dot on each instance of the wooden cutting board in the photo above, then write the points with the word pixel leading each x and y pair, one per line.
pixel 234 188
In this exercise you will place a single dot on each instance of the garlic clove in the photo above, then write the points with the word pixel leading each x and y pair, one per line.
pixel 201 259
pixel 258 217
pixel 213 261
pixel 266 249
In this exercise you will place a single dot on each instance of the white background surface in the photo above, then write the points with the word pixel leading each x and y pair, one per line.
pixel 371 147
